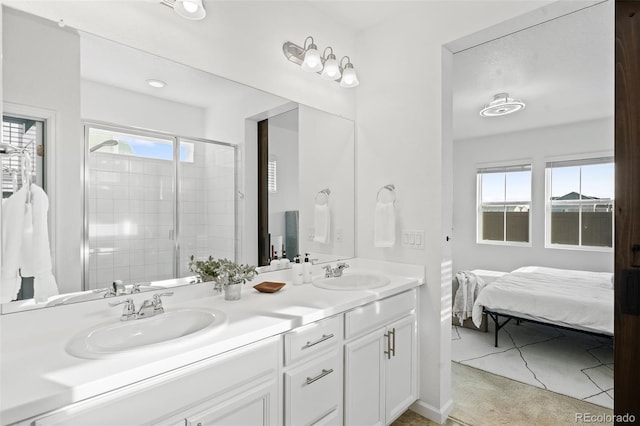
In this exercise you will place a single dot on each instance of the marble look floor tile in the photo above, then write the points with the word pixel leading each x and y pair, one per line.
pixel 566 362
pixel 508 364
pixel 468 344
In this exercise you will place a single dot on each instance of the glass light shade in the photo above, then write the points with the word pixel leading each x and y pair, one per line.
pixel 190 9
pixel 331 70
pixel 312 61
pixel 349 78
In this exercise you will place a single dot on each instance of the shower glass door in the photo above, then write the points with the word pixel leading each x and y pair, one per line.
pixel 146 213
pixel 130 209
pixel 206 202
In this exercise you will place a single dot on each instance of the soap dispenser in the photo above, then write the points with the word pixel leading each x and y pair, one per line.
pixel 297 271
pixel 306 268
pixel 275 262
pixel 284 261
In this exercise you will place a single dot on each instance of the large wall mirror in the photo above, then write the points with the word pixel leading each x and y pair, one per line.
pixel 140 177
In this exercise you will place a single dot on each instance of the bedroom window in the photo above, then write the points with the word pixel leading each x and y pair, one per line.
pixel 504 204
pixel 580 198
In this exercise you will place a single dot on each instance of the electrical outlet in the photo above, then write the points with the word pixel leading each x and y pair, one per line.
pixel 311 233
pixel 339 235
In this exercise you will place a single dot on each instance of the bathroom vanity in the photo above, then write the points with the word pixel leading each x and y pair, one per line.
pixel 303 355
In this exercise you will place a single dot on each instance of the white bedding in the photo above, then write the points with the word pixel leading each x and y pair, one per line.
pixel 566 297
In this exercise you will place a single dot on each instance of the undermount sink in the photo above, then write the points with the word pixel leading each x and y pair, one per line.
pixel 124 337
pixel 352 281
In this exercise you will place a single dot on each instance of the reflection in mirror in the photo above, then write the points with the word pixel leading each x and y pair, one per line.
pixel 167 172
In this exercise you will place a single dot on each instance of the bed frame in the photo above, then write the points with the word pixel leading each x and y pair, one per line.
pixel 495 316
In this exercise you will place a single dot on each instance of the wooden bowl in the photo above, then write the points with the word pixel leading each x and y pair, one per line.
pixel 268 286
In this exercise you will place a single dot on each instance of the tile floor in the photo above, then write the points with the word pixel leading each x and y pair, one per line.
pixel 485 399
pixel 566 362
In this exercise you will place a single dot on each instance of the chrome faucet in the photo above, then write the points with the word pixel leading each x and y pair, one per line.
pixel 129 310
pixel 153 306
pixel 340 267
pixel 328 272
pixel 149 308
pixel 334 272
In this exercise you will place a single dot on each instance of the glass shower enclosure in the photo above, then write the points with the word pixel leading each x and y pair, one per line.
pixel 153 200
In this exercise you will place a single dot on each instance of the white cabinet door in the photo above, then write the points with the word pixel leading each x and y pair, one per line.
pixel 255 407
pixel 400 379
pixel 364 380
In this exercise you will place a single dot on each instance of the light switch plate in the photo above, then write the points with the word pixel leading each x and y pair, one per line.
pixel 413 239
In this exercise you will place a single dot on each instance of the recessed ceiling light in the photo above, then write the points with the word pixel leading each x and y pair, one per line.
pixel 156 83
pixel 501 104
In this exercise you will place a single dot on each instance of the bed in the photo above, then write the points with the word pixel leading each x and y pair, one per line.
pixel 574 300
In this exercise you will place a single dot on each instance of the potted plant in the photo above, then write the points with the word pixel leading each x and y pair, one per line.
pixel 227 275
pixel 208 269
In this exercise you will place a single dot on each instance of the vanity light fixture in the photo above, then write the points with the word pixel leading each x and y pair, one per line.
pixel 309 59
pixel 502 104
pixel 158 84
pixel 188 9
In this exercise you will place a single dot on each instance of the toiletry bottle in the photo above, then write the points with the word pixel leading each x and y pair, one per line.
pixel 275 262
pixel 306 268
pixel 284 261
pixel 297 271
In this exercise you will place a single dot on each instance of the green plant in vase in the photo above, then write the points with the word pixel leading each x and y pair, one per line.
pixel 226 275
pixel 208 270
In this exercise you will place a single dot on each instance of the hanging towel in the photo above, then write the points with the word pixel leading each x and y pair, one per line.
pixel 384 226
pixel 25 245
pixel 13 214
pixel 321 223
pixel 36 254
pixel 469 286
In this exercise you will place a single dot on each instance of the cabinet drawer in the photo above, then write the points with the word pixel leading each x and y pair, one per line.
pixel 377 314
pixel 313 390
pixel 312 339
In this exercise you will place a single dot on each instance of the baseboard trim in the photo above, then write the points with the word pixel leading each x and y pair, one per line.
pixel 431 412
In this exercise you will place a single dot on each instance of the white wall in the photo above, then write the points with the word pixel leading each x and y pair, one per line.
pixel 114 105
pixel 239 40
pixel 399 138
pixel 48 78
pixel 536 145
pixel 283 148
pixel 326 160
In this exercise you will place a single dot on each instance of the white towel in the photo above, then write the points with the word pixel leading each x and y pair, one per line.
pixel 469 286
pixel 13 213
pixel 36 254
pixel 384 226
pixel 321 223
pixel 25 245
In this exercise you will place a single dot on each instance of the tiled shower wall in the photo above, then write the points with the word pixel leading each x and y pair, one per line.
pixel 131 214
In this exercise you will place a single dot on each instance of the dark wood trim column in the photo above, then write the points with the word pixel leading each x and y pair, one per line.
pixel 263 193
pixel 627 226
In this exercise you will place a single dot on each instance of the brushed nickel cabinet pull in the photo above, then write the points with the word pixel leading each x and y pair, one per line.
pixel 320 340
pixel 393 341
pixel 319 376
pixel 388 351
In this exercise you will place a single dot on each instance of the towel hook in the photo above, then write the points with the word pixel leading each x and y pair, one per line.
pixel 324 197
pixel 391 188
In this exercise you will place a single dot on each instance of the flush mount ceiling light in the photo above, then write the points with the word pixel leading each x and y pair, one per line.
pixel 158 84
pixel 501 104
pixel 309 59
pixel 188 9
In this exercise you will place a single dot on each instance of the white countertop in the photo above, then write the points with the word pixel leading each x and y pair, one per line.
pixel 38 375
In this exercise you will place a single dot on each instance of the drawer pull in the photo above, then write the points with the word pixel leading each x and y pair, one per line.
pixel 388 351
pixel 319 376
pixel 320 340
pixel 393 341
